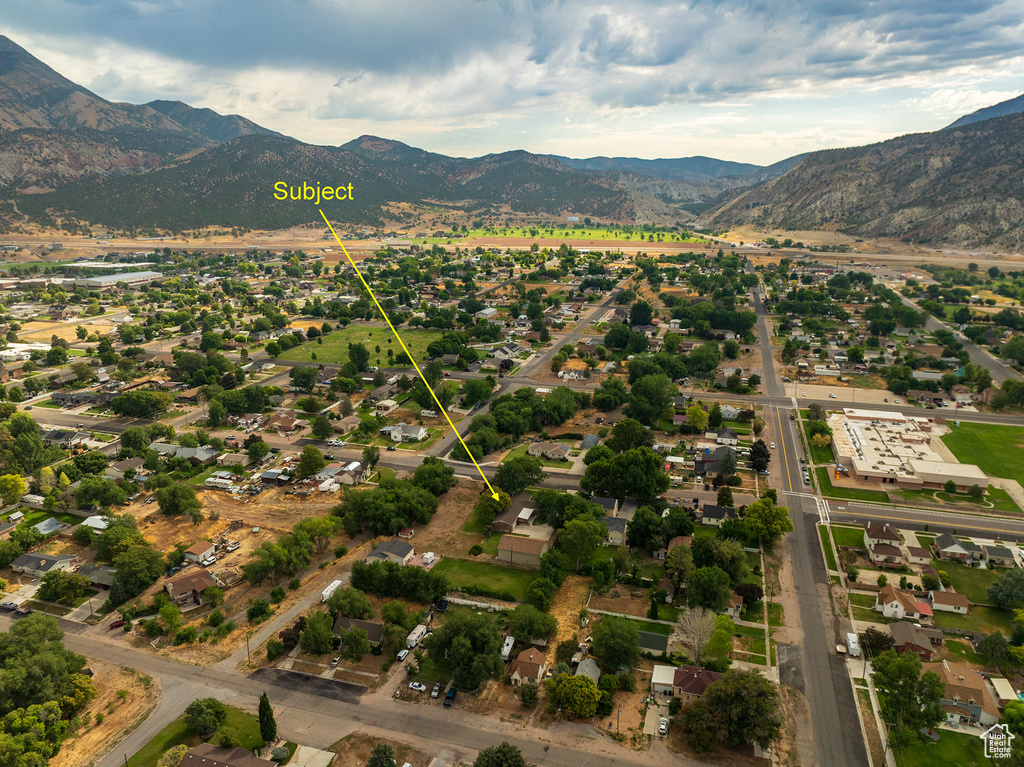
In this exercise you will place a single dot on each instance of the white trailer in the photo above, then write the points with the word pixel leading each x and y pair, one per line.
pixel 219 482
pixel 326 593
pixel 506 649
pixel 852 645
pixel 415 636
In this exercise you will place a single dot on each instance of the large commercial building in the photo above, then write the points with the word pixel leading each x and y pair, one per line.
pixel 892 448
pixel 104 281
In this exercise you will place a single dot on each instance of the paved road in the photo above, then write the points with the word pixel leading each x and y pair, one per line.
pixel 318 712
pixel 999 370
pixel 984 526
pixel 814 668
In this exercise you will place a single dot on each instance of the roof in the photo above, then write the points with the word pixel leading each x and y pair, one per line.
pixel 520 545
pixel 904 632
pixel 663 674
pixel 199 547
pixel 529 663
pixel 693 680
pixel 917 551
pixel 197 580
pixel 616 524
pixel 208 755
pixel 374 631
pixel 890 594
pixel 711 511
pixel 101 574
pixel 946 541
pixel 882 531
pixel 950 598
pixel 608 504
pixel 963 682
pixel 885 550
pixel 397 548
pixel 589 441
pixel 43 562
pixel 588 668
pixel 998 551
pixel 48 526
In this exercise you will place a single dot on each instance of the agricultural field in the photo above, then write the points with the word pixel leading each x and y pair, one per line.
pixel 334 349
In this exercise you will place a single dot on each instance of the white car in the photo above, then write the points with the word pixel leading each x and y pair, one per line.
pixel 771 445
pixel 402 654
pixel 805 394
pixel 417 687
pixel 832 395
pixel 662 726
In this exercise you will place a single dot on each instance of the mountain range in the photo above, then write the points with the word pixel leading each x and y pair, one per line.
pixel 70 157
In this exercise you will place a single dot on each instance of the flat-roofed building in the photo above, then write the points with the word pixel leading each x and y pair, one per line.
pixel 104 281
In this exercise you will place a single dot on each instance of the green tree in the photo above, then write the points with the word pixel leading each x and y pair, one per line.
pixel 517 474
pixel 697 418
pixel 650 398
pixel 434 476
pixel 12 487
pixel 371 454
pixel 715 416
pixel 471 643
pixel 526 622
pixel 303 378
pixel 768 521
pixel 205 715
pixel 216 414
pixel 382 755
pixel 257 451
pixel 62 586
pixel 646 530
pixel 180 499
pixel 616 643
pixel 909 699
pixel 708 587
pixel 628 434
pixel 995 648
pixel 355 644
pixel 577 695
pixel 310 462
pixel 580 538
pixel 317 638
pixel 745 705
pixel 1008 590
pixel 504 754
pixel 322 427
pixel 359 356
pixel 137 568
pixel 350 602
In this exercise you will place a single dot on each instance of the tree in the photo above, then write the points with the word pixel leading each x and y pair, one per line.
pixel 616 643
pixel 471 643
pixel 355 644
pixel 371 454
pixel 137 568
pixel 637 473
pixel 205 715
pixel 679 565
pixel 1008 590
pixel 581 537
pixel 350 602
pixel 526 622
pixel 257 451
pixel 382 755
pixel 322 427
pixel 760 455
pixel 303 378
pixel 12 487
pixel 949 486
pixel 715 416
pixel 646 530
pixel 515 475
pixel 640 313
pixel 768 521
pixel 696 626
pixel 745 706
pixel 100 491
pixel 724 497
pixel 317 638
pixel 577 695
pixel 320 530
pixel 434 476
pixel 751 593
pixel 62 586
pixel 697 418
pixel 504 754
pixel 909 700
pixel 178 499
pixel 311 461
pixel 995 648
pixel 708 587
pixel 875 642
pixel 650 398
pixel 628 434
pixel 359 356
pixel 976 492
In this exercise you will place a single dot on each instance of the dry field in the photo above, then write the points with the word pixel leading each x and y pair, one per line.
pixel 354 751
pixel 43 330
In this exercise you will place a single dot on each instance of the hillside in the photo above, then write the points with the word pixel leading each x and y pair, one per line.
pixel 691 169
pixel 210 124
pixel 1009 107
pixel 962 185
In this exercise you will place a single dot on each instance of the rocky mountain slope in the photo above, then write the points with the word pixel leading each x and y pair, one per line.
pixel 1009 107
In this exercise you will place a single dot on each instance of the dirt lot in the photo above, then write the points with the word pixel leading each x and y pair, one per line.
pixel 569 600
pixel 40 330
pixel 354 751
pixel 443 535
pixel 622 600
pixel 119 716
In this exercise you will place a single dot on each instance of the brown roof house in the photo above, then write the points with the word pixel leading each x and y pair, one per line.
pixel 881 532
pixel 907 637
pixel 190 586
pixel 528 668
pixel 518 551
pixel 967 698
pixel 374 631
pixel 209 755
pixel 690 682
pixel 896 603
pixel 949 602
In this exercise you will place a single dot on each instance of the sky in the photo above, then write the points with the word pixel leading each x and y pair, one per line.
pixel 744 80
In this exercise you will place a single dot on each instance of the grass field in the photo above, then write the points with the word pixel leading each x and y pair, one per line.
pixel 984 619
pixel 863 600
pixel 824 476
pixel 997 450
pixel 972 582
pixel 995 498
pixel 818 454
pixel 334 348
pixel 826 544
pixel 848 536
pixel 462 573
pixel 246 725
pixel 951 749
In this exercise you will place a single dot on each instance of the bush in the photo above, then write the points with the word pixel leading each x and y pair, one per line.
pixel 259 611
pixel 280 753
pixel 229 738
pixel 476 549
pixel 528 694
pixel 852 573
pixel 186 636
pixel 627 682
pixel 294 583
pixel 277 594
pixel 673 706
pixel 944 578
pixel 215 618
pixel 734 481
pixel 340 551
pixel 274 648
pixel 152 627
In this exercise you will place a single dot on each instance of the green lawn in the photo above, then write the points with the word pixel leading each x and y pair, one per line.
pixel 824 476
pixel 997 450
pixel 334 348
pixel 973 582
pixel 995 498
pixel 432 671
pixel 246 725
pixel 984 619
pixel 965 652
pixel 826 545
pixel 818 454
pixel 848 535
pixel 776 617
pixel 870 616
pixel 462 573
pixel 863 600
pixel 516 452
pixel 650 628
pixel 952 749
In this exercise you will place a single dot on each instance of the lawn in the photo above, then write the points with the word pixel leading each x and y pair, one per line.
pixel 863 600
pixel 973 582
pixel 826 545
pixel 952 748
pixel 516 452
pixel 995 449
pixel 775 614
pixel 964 652
pixel 870 616
pixel 818 454
pixel 334 348
pixel 650 628
pixel 995 498
pixel 845 535
pixel 462 573
pixel 853 493
pixel 246 725
pixel 984 619
pixel 432 671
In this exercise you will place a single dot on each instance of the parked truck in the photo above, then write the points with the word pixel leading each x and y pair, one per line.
pixel 326 593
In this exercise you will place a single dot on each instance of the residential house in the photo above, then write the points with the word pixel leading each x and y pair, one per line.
pixel 715 515
pixel 553 451
pixel 727 436
pixel 391 551
pixel 735 607
pixel 907 637
pixel 116 471
pixel 918 556
pixel 374 630
pixel 209 755
pixel 49 526
pixel 518 551
pixel 616 530
pixel 385 407
pixel 896 603
pixel 610 505
pixel 588 668
pixel 709 460
pixel 961 394
pixel 967 698
pixel 283 424
pixel 947 546
pixel 383 392
pixel 38 565
pixel 999 555
pixel 661 679
pixel 190 586
pixel 884 555
pixel 346 425
pixel 101 576
pixel 521 511
pixel 199 551
pixel 881 532
pixel 949 602
pixel 407 432
pixel 529 667
pixel 691 682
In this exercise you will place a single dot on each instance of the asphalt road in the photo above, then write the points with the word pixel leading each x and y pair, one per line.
pixel 813 667
pixel 1001 528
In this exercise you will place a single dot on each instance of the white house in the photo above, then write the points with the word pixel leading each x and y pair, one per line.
pixel 406 432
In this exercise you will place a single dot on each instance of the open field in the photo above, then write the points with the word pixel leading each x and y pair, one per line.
pixel 824 477
pixel 845 535
pixel 334 348
pixel 984 619
pixel 463 573
pixel 972 582
pixel 997 450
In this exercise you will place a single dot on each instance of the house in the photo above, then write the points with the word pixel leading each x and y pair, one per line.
pixel 661 679
pixel 553 451
pixel 907 637
pixel 999 555
pixel 715 516
pixel 967 699
pixel 38 565
pixel 961 394
pixel 283 424
pixel 727 436
pixel 735 607
pixel 616 530
pixel 884 555
pixel 691 682
pixel 230 459
pixel 353 473
pixel 101 576
pixel 521 511
pixel 709 460
pixel 947 546
pixel 391 551
pixel 881 532
pixel 116 471
pixel 918 556
pixel 896 603
pixel 588 668
pixel 374 630
pixel 197 552
pixel 406 432
pixel 381 393
pixel 209 755
pixel 190 586
pixel 346 425
pixel 385 407
pixel 949 602
pixel 522 552
pixel 49 526
pixel 529 667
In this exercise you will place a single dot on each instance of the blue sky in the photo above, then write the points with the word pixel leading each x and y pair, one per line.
pixel 753 81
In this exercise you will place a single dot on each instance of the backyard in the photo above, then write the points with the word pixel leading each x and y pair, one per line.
pixel 463 574
pixel 972 582
pixel 995 449
pixel 246 725
pixel 952 748
pixel 334 348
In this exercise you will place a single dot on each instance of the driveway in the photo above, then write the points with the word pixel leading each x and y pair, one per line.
pixel 651 722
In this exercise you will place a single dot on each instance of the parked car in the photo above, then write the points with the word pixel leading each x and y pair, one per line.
pixel 449 698
pixel 392 447
pixel 336 660
pixel 118 623
pixel 772 445
pixel 436 692
pixel 418 687
pixel 402 654
pixel 9 606
pixel 662 726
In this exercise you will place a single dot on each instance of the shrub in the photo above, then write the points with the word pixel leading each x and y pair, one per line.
pixel 340 551
pixel 852 573
pixel 528 694
pixel 277 594
pixel 476 549
pixel 259 611
pixel 627 682
pixel 186 636
pixel 944 578
pixel 152 627
pixel 215 618
pixel 734 481
pixel 274 648
pixel 294 583
pixel 673 706
pixel 280 753
pixel 229 738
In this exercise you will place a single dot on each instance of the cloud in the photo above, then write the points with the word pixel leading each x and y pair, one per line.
pixel 952 102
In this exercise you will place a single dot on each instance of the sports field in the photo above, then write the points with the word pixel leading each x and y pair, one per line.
pixel 377 338
pixel 997 450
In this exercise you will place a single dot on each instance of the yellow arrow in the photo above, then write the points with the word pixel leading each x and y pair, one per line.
pixel 440 407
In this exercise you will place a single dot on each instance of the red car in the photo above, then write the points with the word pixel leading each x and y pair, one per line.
pixel 118 624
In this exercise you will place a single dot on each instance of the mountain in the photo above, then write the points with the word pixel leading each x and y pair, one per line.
pixel 208 123
pixel 1010 107
pixel 232 184
pixel 692 169
pixel 959 185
